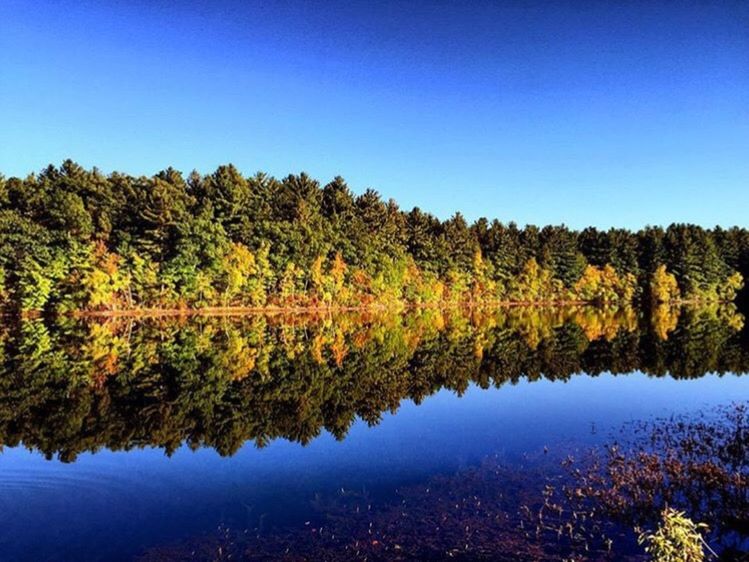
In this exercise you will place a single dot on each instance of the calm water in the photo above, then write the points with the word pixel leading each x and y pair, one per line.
pixel 127 438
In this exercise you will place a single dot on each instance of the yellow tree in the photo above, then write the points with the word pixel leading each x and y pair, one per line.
pixel 105 284
pixel 483 285
pixel 238 265
pixel 732 285
pixel 318 278
pixel 338 275
pixel 604 285
pixel 663 286
pixel 535 284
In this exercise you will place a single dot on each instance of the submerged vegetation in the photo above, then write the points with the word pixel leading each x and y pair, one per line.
pixel 473 514
pixel 672 475
pixel 73 239
pixel 76 385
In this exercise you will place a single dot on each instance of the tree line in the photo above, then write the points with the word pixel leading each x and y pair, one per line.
pixel 77 239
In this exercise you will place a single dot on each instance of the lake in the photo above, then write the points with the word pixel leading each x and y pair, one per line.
pixel 427 434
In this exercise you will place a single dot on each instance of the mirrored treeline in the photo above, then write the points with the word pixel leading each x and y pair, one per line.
pixel 76 385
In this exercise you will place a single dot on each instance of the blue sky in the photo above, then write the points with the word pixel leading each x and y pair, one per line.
pixel 602 113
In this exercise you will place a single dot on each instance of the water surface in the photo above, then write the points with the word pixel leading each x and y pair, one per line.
pixel 124 437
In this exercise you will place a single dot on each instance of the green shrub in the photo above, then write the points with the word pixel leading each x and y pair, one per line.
pixel 678 539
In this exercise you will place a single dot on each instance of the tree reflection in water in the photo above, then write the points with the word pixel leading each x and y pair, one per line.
pixel 80 385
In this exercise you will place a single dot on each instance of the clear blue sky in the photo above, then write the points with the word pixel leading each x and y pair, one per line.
pixel 603 113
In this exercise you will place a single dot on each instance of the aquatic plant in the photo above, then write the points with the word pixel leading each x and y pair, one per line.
pixel 697 467
pixel 677 539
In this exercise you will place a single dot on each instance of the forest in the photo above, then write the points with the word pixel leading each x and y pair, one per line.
pixel 73 239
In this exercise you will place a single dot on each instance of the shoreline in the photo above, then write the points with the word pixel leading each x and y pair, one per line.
pixel 301 310
pixel 326 309
pixel 291 310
